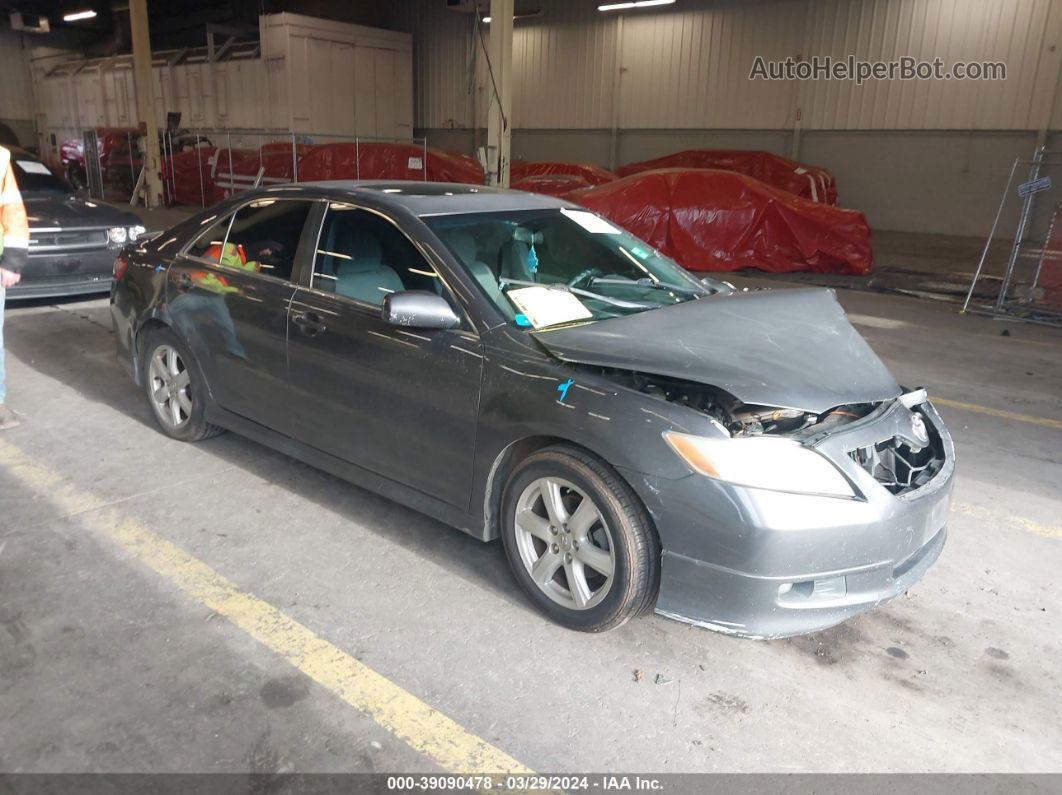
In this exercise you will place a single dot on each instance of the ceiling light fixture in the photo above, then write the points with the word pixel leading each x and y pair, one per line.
pixel 634 4
pixel 79 15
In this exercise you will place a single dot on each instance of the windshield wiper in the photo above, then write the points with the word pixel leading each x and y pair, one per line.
pixel 647 282
pixel 579 291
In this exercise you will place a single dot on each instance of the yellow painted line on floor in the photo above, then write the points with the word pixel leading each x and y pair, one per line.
pixel 417 724
pixel 1007 520
pixel 1002 413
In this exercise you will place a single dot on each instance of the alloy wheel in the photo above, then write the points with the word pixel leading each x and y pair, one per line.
pixel 564 543
pixel 170 387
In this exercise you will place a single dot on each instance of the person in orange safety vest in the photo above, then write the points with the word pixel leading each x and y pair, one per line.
pixel 14 251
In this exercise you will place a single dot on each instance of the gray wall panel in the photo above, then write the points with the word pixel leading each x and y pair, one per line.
pixel 943 182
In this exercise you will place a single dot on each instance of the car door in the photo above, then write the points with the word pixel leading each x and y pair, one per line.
pixel 228 296
pixel 400 402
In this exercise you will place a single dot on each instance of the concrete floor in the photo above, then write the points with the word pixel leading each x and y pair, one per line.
pixel 107 666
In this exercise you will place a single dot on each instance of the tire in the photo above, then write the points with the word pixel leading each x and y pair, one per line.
pixel 559 540
pixel 174 388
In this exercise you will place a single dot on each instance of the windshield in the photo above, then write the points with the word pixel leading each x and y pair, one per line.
pixel 32 176
pixel 546 267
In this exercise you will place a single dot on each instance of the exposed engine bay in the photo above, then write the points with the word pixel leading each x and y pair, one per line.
pixel 739 419
pixel 899 464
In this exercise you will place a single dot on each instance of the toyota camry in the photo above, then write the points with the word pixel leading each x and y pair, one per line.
pixel 520 368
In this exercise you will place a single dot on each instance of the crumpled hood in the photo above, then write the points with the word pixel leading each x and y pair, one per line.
pixel 57 210
pixel 786 348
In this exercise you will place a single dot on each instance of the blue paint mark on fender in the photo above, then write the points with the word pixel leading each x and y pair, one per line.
pixel 563 388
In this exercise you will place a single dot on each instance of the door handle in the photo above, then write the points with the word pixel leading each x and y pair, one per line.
pixel 309 323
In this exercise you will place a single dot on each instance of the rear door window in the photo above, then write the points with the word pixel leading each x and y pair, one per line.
pixel 265 235
pixel 365 257
pixel 210 242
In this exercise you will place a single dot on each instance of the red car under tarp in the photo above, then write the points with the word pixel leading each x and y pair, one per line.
pixel 237 170
pixel 559 185
pixel 374 160
pixel 810 182
pixel 710 220
pixel 188 177
pixel 594 175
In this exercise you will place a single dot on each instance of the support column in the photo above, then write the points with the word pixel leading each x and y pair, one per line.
pixel 499 77
pixel 145 100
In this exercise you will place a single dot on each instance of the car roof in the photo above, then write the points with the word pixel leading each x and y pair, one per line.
pixel 438 198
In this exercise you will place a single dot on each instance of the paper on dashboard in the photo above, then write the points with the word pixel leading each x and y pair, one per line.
pixel 545 307
pixel 33 167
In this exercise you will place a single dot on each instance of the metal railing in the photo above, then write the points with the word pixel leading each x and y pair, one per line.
pixel 117 159
pixel 1025 282
pixel 219 169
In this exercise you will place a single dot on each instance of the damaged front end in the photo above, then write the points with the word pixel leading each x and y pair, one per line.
pixel 793 520
pixel 806 485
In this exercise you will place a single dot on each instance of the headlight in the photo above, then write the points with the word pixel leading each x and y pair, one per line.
pixel 117 234
pixel 761 462
pixel 135 232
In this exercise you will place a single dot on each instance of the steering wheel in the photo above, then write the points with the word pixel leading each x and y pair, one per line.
pixel 584 276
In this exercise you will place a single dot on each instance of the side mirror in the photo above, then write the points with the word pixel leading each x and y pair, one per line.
pixel 419 309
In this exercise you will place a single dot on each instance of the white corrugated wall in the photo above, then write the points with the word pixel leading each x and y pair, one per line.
pixel 341 79
pixel 563 69
pixel 16 90
pixel 687 66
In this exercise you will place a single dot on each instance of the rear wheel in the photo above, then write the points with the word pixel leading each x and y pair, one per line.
pixel 174 389
pixel 579 540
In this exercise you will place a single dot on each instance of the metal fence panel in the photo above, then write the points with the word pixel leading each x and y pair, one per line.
pixel 1020 272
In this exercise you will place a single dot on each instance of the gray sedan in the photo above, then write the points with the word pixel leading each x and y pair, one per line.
pixel 523 370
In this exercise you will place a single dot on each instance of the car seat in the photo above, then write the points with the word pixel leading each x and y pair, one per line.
pixel 363 277
pixel 464 245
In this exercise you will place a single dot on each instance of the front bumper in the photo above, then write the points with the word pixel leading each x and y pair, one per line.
pixel 69 273
pixel 767 564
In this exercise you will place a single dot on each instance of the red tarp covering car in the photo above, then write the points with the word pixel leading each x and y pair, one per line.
pixel 466 162
pixel 188 177
pixel 710 220
pixel 559 185
pixel 810 182
pixel 373 160
pixel 594 175
pixel 237 169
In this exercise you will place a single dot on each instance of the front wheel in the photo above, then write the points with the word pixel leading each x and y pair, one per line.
pixel 175 391
pixel 579 540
